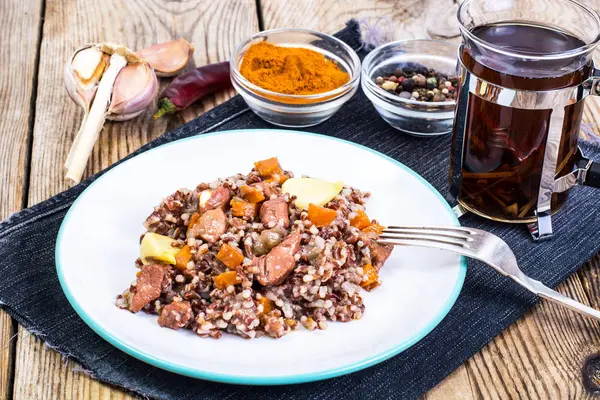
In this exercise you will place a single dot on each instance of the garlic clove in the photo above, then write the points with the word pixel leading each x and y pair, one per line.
pixel 169 58
pixel 89 64
pixel 82 74
pixel 135 89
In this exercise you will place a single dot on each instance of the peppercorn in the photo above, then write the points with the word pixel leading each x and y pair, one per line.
pixel 408 85
pixel 431 83
pixel 415 81
pixel 420 80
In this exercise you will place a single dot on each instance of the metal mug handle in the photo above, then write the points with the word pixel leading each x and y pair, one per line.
pixel 587 172
pixel 590 172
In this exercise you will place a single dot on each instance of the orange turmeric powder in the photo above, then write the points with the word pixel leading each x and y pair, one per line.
pixel 291 70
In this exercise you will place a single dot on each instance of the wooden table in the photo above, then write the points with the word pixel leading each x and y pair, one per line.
pixel 540 356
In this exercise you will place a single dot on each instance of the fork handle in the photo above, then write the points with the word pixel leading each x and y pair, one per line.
pixel 545 292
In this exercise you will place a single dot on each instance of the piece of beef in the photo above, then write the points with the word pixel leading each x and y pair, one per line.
pixel 211 225
pixel 379 252
pixel 275 266
pixel 175 315
pixel 149 285
pixel 275 213
pixel 210 199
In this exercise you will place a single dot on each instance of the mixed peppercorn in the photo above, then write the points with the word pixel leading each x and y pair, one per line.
pixel 417 82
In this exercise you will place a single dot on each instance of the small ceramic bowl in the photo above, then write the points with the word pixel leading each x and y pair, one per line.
pixel 417 118
pixel 297 110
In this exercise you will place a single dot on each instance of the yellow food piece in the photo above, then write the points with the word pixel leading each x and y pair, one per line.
pixel 158 248
pixel 312 190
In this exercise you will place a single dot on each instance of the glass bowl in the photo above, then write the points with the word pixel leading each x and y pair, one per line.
pixel 417 118
pixel 297 110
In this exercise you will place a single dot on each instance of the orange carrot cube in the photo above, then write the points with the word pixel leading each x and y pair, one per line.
pixel 183 258
pixel 193 219
pixel 225 279
pixel 268 167
pixel 252 194
pixel 243 209
pixel 360 221
pixel 267 305
pixel 374 227
pixel 230 256
pixel 320 216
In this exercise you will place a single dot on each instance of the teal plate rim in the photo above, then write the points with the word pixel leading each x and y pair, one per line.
pixel 247 380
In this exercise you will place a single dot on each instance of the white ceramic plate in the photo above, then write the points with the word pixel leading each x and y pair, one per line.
pixel 99 239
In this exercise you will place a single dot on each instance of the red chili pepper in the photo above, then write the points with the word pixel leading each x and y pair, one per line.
pixel 192 86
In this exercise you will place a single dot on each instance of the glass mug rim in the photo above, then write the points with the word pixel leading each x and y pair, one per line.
pixel 588 47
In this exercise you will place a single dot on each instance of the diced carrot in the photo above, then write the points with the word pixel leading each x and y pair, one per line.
pixel 372 278
pixel 230 256
pixel 243 209
pixel 226 279
pixel 279 178
pixel 267 305
pixel 252 194
pixel 268 167
pixel 320 216
pixel 183 258
pixel 360 221
pixel 374 227
pixel 193 219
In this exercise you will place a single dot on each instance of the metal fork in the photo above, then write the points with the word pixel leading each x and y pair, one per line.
pixel 484 247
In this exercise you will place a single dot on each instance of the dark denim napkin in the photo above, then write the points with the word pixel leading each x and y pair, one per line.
pixel 30 292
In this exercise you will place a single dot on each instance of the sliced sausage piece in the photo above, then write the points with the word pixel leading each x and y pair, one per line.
pixel 275 266
pixel 266 189
pixel 379 252
pixel 148 286
pixel 275 213
pixel 210 199
pixel 211 225
pixel 175 315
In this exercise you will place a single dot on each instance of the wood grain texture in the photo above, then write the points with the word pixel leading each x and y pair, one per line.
pixel 540 356
pixel 400 19
pixel 19 28
pixel 214 28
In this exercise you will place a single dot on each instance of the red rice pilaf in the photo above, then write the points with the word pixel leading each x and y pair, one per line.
pixel 252 266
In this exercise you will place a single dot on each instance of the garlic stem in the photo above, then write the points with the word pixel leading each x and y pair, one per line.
pixel 92 125
pixel 76 141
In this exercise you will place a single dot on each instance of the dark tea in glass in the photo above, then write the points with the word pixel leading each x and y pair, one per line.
pixel 503 147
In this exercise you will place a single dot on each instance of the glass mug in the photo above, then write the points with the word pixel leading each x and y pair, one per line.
pixel 526 67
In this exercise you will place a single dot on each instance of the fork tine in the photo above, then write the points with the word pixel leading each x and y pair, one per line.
pixel 449 232
pixel 437 228
pixel 410 238
pixel 429 244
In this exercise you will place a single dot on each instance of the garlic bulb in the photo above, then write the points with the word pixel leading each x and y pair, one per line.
pixel 169 58
pixel 92 79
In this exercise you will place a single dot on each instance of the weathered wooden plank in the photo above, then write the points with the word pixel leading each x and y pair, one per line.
pixel 213 27
pixel 540 356
pixel 19 41
pixel 455 387
pixel 403 19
